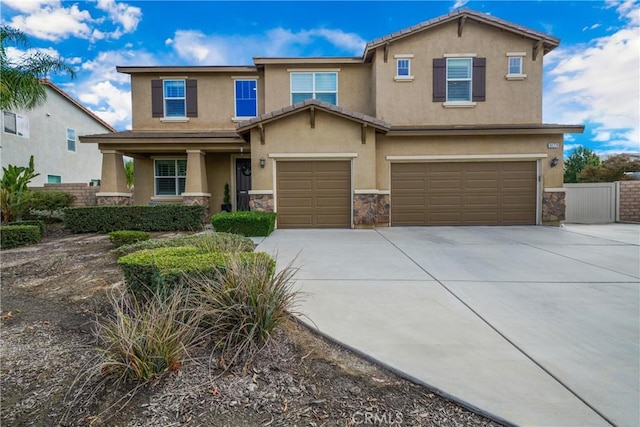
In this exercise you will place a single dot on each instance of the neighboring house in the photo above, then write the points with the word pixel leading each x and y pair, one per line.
pixel 437 124
pixel 50 133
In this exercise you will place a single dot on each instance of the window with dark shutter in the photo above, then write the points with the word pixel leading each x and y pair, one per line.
pixel 192 98
pixel 479 79
pixel 439 79
pixel 157 101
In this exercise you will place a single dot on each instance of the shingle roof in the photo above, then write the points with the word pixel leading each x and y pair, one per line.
pixel 307 104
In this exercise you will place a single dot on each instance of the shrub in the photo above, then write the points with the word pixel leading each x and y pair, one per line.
pixel 144 339
pixel 46 200
pixel 161 270
pixel 245 223
pixel 212 242
pixel 104 219
pixel 244 304
pixel 40 224
pixel 12 236
pixel 127 237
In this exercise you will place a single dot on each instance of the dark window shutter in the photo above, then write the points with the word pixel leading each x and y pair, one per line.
pixel 479 79
pixel 439 79
pixel 192 98
pixel 157 107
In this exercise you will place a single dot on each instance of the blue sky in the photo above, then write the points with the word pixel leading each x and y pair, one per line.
pixel 593 78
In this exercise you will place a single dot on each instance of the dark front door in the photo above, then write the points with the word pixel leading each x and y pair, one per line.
pixel 243 184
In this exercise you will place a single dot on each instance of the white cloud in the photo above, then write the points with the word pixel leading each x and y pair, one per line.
pixel 29 6
pixel 591 27
pixel 122 13
pixel 113 103
pixel 459 3
pixel 598 84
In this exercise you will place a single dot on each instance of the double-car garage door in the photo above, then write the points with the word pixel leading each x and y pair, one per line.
pixel 473 193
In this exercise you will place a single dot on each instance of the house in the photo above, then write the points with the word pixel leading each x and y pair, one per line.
pixel 50 133
pixel 437 124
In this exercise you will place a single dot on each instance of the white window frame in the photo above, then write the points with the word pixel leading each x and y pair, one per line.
pixel 469 79
pixel 516 76
pixel 173 98
pixel 176 177
pixel 314 92
pixel 409 76
pixel 236 117
pixel 69 140
pixel 21 122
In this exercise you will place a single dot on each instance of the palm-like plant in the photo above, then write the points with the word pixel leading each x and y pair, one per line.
pixel 20 86
pixel 13 187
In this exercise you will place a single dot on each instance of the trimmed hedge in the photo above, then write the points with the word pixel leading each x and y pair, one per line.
pixel 45 205
pixel 104 219
pixel 128 237
pixel 212 242
pixel 245 223
pixel 40 224
pixel 12 236
pixel 161 269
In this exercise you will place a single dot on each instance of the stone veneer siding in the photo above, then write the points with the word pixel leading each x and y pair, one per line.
pixel 114 200
pixel 553 207
pixel 629 201
pixel 370 209
pixel 261 202
pixel 83 194
pixel 201 201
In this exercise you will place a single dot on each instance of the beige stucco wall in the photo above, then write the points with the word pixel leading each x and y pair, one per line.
pixel 332 135
pixel 216 101
pixel 143 181
pixel 218 173
pixel 353 85
pixel 507 101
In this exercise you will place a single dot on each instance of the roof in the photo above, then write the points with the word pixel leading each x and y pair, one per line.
pixel 488 129
pixel 159 136
pixel 308 104
pixel 65 95
pixel 550 42
pixel 190 68
pixel 303 60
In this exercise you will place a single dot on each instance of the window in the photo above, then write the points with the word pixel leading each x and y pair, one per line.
pixel 459 79
pixel 16 124
pixel 403 68
pixel 170 176
pixel 246 98
pixel 175 99
pixel 71 139
pixel 54 179
pixel 515 65
pixel 322 86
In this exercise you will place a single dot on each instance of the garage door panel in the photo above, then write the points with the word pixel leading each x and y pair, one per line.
pixel 292 185
pixel 295 202
pixel 473 193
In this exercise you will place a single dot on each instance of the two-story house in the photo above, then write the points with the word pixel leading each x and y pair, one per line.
pixel 50 133
pixel 437 124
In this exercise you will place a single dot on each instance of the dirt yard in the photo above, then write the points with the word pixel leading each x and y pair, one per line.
pixel 52 294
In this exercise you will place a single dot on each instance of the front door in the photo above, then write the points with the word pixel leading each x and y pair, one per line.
pixel 243 184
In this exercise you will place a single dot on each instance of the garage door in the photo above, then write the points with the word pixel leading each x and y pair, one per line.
pixel 474 193
pixel 314 194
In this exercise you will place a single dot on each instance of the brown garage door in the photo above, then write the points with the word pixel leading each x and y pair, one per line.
pixel 474 193
pixel 314 194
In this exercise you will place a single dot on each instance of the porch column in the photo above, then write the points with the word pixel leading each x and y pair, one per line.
pixel 196 188
pixel 113 182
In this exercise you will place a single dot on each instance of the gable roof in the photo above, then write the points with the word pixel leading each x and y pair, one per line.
pixel 548 41
pixel 308 104
pixel 84 109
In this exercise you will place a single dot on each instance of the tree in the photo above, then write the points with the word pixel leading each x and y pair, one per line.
pixel 611 170
pixel 13 187
pixel 580 158
pixel 128 172
pixel 20 86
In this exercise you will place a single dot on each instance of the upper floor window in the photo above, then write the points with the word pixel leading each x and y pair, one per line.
pixel 515 67
pixel 170 176
pixel 322 86
pixel 174 98
pixel 246 94
pixel 71 139
pixel 15 124
pixel 403 68
pixel 459 80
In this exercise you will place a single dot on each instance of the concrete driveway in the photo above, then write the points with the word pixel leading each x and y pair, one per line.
pixel 530 325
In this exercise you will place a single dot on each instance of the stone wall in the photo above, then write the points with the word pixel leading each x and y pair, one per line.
pixel 114 200
pixel 201 201
pixel 554 207
pixel 261 202
pixel 629 201
pixel 370 210
pixel 83 194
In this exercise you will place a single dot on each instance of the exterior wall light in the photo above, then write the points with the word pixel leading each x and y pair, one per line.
pixel 262 162
pixel 554 162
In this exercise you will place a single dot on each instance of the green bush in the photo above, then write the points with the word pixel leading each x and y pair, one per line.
pixel 40 224
pixel 46 200
pixel 162 269
pixel 104 219
pixel 12 236
pixel 245 223
pixel 128 237
pixel 211 242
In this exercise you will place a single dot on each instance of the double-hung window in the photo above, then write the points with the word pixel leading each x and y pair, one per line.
pixel 71 139
pixel 459 79
pixel 175 99
pixel 322 86
pixel 515 66
pixel 246 94
pixel 170 176
pixel 15 124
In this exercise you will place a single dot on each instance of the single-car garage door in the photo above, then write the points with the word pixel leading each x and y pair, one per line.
pixel 314 194
pixel 473 193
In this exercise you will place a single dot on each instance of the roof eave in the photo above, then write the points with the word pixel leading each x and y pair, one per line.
pixel 544 129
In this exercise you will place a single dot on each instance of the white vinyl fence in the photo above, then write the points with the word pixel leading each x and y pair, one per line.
pixel 591 203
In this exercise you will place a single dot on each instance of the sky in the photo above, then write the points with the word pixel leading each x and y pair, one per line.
pixel 592 78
